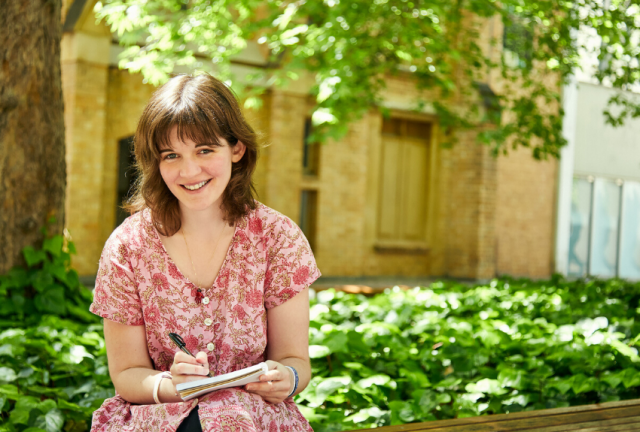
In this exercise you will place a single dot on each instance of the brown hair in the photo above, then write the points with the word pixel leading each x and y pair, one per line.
pixel 203 109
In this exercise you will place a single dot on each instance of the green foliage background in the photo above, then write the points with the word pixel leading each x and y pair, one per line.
pixel 443 351
pixel 351 47
pixel 450 350
pixel 53 364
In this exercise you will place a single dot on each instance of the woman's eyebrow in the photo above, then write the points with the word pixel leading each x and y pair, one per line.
pixel 166 150
pixel 208 144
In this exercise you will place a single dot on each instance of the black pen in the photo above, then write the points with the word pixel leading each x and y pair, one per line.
pixel 183 346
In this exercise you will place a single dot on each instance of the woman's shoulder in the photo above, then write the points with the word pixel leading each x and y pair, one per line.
pixel 132 230
pixel 265 221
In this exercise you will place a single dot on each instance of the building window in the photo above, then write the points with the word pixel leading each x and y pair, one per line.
pixel 126 176
pixel 310 152
pixel 604 239
pixel 308 215
pixel 517 41
pixel 404 166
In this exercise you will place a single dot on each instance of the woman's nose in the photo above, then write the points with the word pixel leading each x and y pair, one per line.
pixel 189 168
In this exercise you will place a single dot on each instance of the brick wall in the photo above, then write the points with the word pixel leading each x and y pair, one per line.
pixel 126 98
pixel 84 86
pixel 486 216
pixel 525 215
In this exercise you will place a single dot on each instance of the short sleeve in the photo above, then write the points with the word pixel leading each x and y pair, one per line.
pixel 116 296
pixel 291 266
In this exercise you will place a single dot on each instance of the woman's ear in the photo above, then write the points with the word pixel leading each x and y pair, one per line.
pixel 238 151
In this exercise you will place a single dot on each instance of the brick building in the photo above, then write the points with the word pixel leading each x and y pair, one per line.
pixel 387 200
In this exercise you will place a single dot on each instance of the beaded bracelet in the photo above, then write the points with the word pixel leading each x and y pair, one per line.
pixel 295 381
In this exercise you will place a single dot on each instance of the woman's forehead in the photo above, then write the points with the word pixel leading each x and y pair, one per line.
pixel 178 135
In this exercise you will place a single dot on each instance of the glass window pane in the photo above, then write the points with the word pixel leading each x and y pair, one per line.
pixel 308 215
pixel 604 240
pixel 579 234
pixel 630 232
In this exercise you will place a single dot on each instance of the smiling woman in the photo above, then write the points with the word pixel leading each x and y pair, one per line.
pixel 162 271
pixel 190 111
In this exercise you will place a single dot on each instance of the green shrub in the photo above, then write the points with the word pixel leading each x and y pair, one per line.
pixel 53 371
pixel 455 351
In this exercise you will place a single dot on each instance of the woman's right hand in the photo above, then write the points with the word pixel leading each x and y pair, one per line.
pixel 186 368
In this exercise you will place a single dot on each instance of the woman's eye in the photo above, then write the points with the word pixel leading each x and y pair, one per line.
pixel 171 156
pixel 206 151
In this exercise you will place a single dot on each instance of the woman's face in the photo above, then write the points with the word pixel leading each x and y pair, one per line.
pixel 198 173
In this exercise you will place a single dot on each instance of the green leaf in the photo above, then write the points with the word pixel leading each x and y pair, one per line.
pixel 337 342
pixel 486 385
pixel 47 405
pixel 512 378
pixel 401 412
pixel 53 245
pixel 625 350
pixel 52 300
pixel 612 379
pixel 10 390
pixel 72 248
pixel 64 405
pixel 7 374
pixel 317 351
pixel 583 384
pixel 630 378
pixel 366 414
pixel 24 406
pixel 378 380
pixel 330 385
pixel 426 400
pixel 52 421
pixel 33 256
pixel 490 338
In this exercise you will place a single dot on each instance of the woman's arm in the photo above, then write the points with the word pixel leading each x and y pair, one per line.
pixel 288 345
pixel 132 371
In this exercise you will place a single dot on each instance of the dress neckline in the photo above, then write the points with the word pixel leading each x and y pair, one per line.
pixel 170 260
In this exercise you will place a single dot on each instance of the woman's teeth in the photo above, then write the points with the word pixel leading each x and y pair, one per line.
pixel 197 186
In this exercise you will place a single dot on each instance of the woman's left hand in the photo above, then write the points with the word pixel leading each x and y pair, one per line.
pixel 275 385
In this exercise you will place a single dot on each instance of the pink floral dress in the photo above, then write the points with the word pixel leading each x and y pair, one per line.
pixel 268 262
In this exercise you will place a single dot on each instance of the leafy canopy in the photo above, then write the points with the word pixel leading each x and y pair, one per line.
pixel 352 47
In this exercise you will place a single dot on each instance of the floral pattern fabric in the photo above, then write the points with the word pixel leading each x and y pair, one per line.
pixel 268 262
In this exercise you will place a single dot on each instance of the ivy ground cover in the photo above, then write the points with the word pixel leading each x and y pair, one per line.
pixel 443 351
pixel 451 350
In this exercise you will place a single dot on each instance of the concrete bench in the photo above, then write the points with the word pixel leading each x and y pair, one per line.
pixel 605 417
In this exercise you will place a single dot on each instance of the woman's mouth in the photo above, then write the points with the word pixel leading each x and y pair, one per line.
pixel 196 186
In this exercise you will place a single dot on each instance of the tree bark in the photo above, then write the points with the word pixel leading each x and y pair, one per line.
pixel 32 147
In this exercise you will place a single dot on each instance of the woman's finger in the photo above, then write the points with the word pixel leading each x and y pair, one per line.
pixel 271 395
pixel 268 387
pixel 181 357
pixel 201 358
pixel 272 375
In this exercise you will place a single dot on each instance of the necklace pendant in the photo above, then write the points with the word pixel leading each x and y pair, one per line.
pixel 199 296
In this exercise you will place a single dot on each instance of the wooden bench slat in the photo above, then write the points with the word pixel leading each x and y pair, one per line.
pixel 595 426
pixel 538 422
pixel 620 428
pixel 532 420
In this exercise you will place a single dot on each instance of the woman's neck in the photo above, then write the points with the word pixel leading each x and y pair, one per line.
pixel 203 224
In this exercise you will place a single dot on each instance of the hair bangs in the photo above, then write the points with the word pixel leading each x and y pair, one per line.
pixel 190 123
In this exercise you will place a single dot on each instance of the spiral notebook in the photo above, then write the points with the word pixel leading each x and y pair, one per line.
pixel 192 389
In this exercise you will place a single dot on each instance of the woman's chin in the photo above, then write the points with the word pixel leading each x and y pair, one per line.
pixel 199 205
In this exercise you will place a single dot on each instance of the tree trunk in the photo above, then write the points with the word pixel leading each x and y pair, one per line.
pixel 32 148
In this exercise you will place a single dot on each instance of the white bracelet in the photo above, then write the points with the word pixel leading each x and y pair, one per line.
pixel 295 380
pixel 156 385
